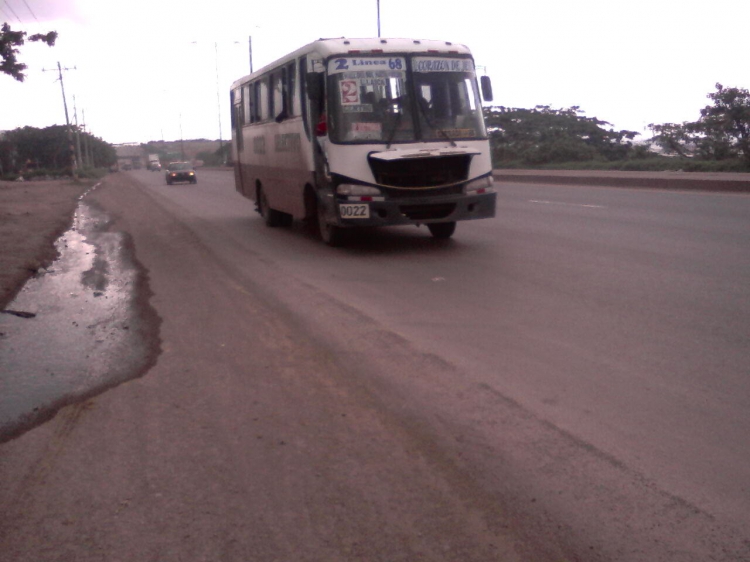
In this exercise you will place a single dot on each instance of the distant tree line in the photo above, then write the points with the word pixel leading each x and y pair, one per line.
pixel 29 151
pixel 543 136
pixel 172 151
pixel 218 157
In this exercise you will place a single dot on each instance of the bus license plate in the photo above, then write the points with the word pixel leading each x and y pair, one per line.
pixel 354 211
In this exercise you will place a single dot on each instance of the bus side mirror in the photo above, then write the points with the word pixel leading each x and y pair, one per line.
pixel 486 87
pixel 314 83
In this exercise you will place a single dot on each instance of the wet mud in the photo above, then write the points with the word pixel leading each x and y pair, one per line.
pixel 79 327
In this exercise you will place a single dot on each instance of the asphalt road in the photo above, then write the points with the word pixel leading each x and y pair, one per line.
pixel 567 381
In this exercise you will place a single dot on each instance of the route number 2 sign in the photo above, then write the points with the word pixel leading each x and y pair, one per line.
pixel 349 92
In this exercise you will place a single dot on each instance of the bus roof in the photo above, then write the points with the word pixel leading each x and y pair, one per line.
pixel 363 46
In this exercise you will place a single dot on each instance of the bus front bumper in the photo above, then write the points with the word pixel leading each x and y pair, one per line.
pixel 415 210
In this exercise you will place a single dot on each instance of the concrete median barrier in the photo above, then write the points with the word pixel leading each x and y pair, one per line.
pixel 699 181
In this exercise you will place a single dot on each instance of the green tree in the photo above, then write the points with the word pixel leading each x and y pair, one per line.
pixel 725 125
pixel 721 133
pixel 10 41
pixel 544 135
pixel 103 153
pixel 673 138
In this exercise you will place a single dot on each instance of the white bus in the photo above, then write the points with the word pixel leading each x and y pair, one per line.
pixel 365 132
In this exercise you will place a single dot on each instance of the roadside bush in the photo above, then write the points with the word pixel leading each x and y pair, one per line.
pixel 737 166
pixel 37 174
pixel 652 164
pixel 93 173
pixel 41 174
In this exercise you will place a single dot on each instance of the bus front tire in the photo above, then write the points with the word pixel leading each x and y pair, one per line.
pixel 330 234
pixel 442 230
pixel 271 217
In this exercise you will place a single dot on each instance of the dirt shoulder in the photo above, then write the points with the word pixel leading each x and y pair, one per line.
pixel 33 215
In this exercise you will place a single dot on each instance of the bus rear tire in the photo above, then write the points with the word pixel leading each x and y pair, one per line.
pixel 271 217
pixel 330 234
pixel 442 230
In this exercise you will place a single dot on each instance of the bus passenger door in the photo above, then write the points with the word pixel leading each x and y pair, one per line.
pixel 315 87
pixel 237 144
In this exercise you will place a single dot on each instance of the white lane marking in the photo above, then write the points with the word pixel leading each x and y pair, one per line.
pixel 569 204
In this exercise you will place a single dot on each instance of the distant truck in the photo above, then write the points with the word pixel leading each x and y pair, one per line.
pixel 153 163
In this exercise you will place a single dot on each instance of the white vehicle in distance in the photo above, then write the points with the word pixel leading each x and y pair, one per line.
pixel 154 163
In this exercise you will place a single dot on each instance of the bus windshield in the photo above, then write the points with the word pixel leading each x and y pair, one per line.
pixel 375 99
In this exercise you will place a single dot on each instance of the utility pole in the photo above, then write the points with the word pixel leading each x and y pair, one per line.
pixel 250 47
pixel 218 93
pixel 182 144
pixel 73 166
pixel 218 99
pixel 378 18
pixel 79 156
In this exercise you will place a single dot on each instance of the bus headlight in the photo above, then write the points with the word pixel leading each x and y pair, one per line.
pixel 358 190
pixel 479 186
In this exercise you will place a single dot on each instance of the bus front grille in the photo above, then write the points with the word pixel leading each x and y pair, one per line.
pixel 426 212
pixel 421 172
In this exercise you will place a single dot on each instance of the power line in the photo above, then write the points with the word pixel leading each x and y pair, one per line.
pixel 30 10
pixel 13 11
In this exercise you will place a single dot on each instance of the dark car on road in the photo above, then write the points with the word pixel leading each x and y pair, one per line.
pixel 180 172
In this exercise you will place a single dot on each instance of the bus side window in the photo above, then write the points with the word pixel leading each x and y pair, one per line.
pixel 265 99
pixel 284 97
pixel 256 102
pixel 291 106
pixel 233 96
pixel 237 115
pixel 247 104
pixel 276 102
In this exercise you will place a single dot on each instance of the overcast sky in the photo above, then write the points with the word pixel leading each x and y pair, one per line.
pixel 147 69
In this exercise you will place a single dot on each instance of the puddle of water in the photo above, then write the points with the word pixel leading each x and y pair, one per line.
pixel 87 333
